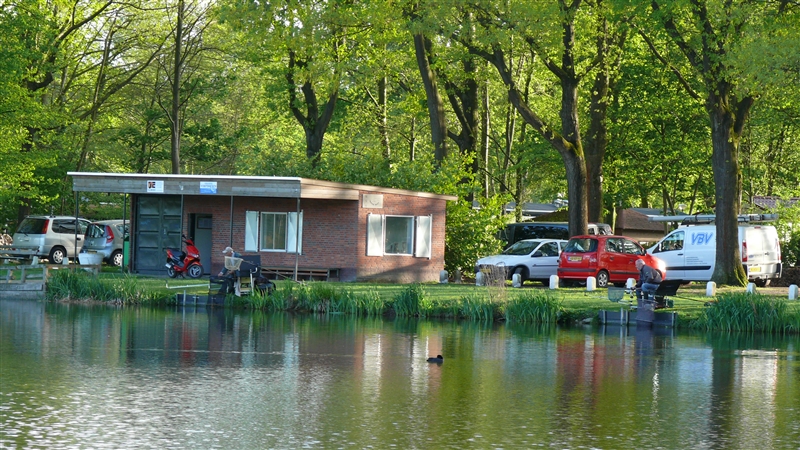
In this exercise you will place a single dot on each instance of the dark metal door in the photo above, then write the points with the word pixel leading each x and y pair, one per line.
pixel 158 227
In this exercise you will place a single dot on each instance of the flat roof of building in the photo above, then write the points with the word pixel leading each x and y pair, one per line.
pixel 229 185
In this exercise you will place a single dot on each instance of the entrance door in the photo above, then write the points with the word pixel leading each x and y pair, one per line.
pixel 200 224
pixel 158 227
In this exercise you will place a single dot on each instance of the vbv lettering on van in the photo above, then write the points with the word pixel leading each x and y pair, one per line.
pixel 702 238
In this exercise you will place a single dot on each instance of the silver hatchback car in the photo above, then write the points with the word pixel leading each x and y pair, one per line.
pixel 51 237
pixel 106 237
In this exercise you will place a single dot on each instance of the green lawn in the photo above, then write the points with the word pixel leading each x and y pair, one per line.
pixel 577 302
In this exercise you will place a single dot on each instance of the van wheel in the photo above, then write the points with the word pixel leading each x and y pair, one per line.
pixel 602 279
pixel 116 258
pixel 761 283
pixel 57 255
pixel 522 272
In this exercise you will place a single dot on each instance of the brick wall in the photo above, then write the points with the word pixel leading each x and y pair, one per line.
pixel 402 268
pixel 334 235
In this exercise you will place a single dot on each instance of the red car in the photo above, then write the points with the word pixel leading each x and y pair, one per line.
pixel 610 259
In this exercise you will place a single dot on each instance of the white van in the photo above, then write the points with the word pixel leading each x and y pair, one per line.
pixel 690 252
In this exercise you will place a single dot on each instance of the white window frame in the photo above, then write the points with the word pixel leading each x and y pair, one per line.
pixel 420 239
pixel 261 247
pixel 293 238
pixel 409 239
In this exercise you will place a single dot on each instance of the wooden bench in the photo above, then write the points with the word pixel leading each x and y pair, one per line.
pixel 11 254
pixel 303 273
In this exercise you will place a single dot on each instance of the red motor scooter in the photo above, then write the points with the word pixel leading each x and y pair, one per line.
pixel 180 262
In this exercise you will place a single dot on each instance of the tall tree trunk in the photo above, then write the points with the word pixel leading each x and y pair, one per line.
pixel 596 146
pixel 464 98
pixel 412 140
pixel 383 126
pixel 314 122
pixel 175 119
pixel 510 131
pixel 485 139
pixel 727 121
pixel 422 46
pixel 572 155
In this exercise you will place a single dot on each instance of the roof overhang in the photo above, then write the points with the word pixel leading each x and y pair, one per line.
pixel 228 185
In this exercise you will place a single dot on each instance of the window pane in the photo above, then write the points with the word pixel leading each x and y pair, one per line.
pixel 399 234
pixel 280 232
pixel 273 231
pixel 267 227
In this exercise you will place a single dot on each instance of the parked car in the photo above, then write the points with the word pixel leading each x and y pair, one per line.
pixel 532 259
pixel 51 237
pixel 545 230
pixel 106 237
pixel 610 259
pixel 690 252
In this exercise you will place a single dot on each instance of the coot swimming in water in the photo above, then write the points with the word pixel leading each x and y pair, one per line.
pixel 438 359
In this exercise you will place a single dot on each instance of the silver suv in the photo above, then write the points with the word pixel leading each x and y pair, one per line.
pixel 51 237
pixel 106 238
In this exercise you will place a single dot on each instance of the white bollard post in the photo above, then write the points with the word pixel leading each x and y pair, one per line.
pixel 591 284
pixel 480 279
pixel 516 280
pixel 65 261
pixel 443 277
pixel 793 292
pixel 711 289
pixel 751 288
pixel 553 281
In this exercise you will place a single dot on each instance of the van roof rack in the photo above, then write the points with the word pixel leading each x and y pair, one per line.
pixel 697 219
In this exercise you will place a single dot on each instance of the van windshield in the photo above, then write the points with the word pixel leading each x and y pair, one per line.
pixel 32 226
pixel 581 245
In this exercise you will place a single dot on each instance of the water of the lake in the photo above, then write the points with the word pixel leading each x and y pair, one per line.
pixel 74 376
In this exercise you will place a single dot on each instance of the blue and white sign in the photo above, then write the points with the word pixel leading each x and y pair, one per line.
pixel 703 238
pixel 155 186
pixel 208 187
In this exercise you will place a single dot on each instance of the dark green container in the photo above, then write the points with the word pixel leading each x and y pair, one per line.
pixel 126 251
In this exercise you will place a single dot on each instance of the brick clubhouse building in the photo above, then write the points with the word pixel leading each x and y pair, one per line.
pixel 315 229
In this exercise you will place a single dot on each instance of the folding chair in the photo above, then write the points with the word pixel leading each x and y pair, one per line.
pixel 249 268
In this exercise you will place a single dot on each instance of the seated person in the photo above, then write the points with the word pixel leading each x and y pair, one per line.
pixel 649 281
pixel 229 272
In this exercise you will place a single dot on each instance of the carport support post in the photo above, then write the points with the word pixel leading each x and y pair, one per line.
pixel 296 239
pixel 122 267
pixel 75 242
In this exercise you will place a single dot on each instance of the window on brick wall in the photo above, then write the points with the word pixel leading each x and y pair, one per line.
pixel 273 232
pixel 399 235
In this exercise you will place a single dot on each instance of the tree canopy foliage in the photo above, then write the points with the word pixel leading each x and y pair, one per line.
pixel 681 105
